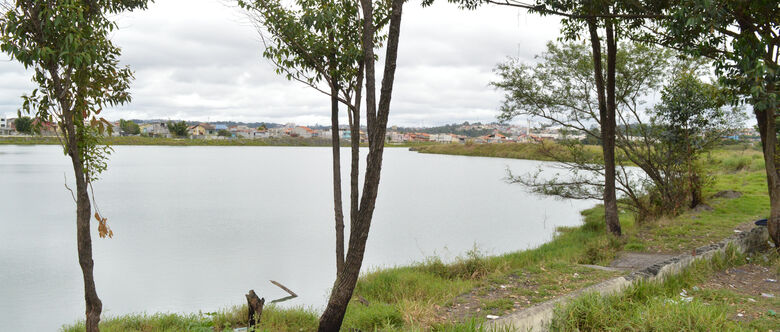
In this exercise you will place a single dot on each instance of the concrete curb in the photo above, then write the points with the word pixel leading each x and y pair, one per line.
pixel 538 317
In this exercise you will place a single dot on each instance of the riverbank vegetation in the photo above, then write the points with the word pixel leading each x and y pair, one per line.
pixel 433 294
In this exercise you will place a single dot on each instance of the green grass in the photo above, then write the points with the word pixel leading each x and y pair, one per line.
pixel 531 151
pixel 406 298
pixel 654 306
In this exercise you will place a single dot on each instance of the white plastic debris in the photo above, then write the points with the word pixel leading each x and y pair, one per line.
pixel 576 275
pixel 491 317
pixel 740 315
pixel 767 295
pixel 751 300
pixel 770 280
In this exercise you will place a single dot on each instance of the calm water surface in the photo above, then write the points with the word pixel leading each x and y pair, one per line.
pixel 197 227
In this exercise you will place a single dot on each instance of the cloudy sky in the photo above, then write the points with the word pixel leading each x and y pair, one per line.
pixel 201 60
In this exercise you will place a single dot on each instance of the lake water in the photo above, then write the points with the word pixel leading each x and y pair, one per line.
pixel 197 227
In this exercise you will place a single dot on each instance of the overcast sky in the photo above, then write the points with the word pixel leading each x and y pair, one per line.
pixel 201 60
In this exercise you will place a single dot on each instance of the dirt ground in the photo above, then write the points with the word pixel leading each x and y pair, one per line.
pixel 758 284
pixel 520 290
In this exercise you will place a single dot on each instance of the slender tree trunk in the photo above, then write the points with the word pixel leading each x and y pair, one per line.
pixel 333 316
pixel 337 204
pixel 606 98
pixel 83 215
pixel 94 306
pixel 355 144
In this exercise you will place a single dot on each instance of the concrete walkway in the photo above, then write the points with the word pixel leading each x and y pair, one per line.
pixel 645 266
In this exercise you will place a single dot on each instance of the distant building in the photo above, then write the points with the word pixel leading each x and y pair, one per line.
pixel 395 137
pixel 304 132
pixel 6 126
pixel 157 129
pixel 345 134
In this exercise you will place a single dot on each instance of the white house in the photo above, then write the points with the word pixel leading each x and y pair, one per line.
pixel 442 138
pixel 261 134
pixel 304 132
pixel 159 129
pixel 6 125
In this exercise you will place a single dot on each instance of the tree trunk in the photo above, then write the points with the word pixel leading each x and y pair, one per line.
pixel 355 144
pixel 255 306
pixel 767 128
pixel 333 316
pixel 606 98
pixel 337 204
pixel 83 215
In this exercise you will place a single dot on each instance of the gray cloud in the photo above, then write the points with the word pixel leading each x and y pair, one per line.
pixel 201 60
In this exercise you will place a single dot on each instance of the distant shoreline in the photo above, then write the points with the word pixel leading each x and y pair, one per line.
pixel 150 141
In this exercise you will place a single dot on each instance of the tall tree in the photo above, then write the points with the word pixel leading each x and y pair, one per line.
pixel 742 38
pixel 76 67
pixel 334 42
pixel 584 19
pixel 376 118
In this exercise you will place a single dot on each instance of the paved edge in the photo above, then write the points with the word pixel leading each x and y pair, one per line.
pixel 536 318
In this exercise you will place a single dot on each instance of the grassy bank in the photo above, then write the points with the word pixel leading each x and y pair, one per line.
pixel 431 295
pixel 530 151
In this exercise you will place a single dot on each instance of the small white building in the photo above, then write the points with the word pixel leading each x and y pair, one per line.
pixel 442 138
pixel 261 134
pixel 6 125
pixel 304 132
pixel 395 137
pixel 157 129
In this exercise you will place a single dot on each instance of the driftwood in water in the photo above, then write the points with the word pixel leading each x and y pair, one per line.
pixel 284 288
pixel 255 307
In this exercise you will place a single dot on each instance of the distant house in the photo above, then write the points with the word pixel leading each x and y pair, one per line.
pixel 261 134
pixel 304 132
pixel 345 134
pixel 419 137
pixel 443 138
pixel 156 129
pixel 241 131
pixel 494 138
pixel 326 133
pixel 202 130
pixel 395 137
pixel 6 126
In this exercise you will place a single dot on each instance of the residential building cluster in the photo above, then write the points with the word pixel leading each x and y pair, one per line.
pixel 496 133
